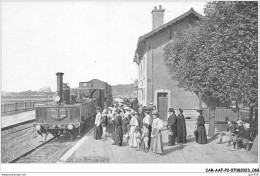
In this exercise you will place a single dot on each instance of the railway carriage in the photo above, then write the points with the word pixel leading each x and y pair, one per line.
pixel 74 109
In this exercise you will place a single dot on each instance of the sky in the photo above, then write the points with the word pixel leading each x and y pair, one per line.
pixel 84 40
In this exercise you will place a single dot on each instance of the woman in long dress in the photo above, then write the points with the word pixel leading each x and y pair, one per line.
pixel 133 124
pixel 201 137
pixel 156 145
pixel 98 129
pixel 125 121
pixel 181 128
pixel 117 136
pixel 110 124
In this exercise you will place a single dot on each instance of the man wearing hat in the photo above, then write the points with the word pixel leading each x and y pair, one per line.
pixel 172 127
pixel 125 120
pixel 142 115
pixel 181 128
pixel 151 105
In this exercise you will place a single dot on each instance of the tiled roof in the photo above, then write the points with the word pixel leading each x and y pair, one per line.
pixel 142 38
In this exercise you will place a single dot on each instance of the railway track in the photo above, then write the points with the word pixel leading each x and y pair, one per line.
pixel 50 151
pixel 32 150
pixel 18 139
pixel 17 127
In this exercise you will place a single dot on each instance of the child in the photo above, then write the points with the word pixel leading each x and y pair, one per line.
pixel 145 137
pixel 138 138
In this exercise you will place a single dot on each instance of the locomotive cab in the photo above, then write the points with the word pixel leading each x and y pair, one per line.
pixel 67 113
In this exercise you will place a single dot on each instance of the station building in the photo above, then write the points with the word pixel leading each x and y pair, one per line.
pixel 155 84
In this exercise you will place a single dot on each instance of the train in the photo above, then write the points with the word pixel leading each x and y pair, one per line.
pixel 73 109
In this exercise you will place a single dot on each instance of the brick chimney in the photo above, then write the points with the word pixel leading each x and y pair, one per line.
pixel 158 15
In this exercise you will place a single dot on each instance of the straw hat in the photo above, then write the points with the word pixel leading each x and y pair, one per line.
pixel 133 113
pixel 155 112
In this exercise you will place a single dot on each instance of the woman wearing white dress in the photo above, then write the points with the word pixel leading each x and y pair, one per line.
pixel 98 129
pixel 156 135
pixel 133 124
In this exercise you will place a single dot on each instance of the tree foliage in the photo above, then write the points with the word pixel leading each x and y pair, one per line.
pixel 218 56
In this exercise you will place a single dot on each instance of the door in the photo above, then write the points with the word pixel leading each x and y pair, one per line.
pixel 162 105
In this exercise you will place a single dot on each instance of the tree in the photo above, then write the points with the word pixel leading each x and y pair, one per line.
pixel 218 56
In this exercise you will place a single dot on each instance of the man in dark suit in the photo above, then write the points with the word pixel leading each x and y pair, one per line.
pixel 172 127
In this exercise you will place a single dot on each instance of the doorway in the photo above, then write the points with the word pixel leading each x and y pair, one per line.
pixel 162 104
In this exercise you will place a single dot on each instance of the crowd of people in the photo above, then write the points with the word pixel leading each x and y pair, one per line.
pixel 142 128
pixel 239 133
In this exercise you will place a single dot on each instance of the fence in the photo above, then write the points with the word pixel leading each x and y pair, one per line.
pixel 220 114
pixel 20 106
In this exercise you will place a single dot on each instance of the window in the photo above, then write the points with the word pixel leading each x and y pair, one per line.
pixel 87 84
pixel 144 69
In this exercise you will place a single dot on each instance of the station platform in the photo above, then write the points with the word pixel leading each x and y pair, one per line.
pixel 88 150
pixel 14 119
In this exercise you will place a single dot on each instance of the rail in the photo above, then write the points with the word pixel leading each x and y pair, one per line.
pixel 20 106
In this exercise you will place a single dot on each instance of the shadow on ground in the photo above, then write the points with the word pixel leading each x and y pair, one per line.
pixel 213 138
pixel 174 148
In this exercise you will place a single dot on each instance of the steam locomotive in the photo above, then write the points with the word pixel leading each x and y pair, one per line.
pixel 72 110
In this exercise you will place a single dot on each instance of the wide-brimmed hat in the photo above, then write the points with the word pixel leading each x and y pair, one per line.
pixel 147 110
pixel 127 108
pixel 180 110
pixel 171 110
pixel 155 112
pixel 133 112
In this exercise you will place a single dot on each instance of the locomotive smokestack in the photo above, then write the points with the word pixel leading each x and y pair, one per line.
pixel 59 85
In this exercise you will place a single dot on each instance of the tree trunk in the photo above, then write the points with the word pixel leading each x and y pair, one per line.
pixel 238 111
pixel 251 115
pixel 200 102
pixel 211 131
